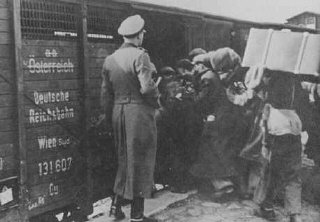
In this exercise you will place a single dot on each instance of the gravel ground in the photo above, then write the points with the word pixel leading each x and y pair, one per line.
pixel 199 209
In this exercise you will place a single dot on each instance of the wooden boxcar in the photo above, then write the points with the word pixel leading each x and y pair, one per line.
pixel 52 156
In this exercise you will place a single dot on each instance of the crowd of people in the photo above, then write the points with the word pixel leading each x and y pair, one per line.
pixel 199 129
pixel 226 129
pixel 206 123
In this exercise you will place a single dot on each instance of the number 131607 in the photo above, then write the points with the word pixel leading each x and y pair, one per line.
pixel 54 166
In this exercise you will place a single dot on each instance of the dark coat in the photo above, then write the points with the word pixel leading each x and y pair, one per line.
pixel 221 139
pixel 129 96
pixel 179 129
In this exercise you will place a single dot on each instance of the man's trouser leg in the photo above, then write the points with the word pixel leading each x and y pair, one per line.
pixel 290 168
pixel 292 198
pixel 137 208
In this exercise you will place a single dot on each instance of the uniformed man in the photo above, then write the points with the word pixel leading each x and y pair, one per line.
pixel 129 96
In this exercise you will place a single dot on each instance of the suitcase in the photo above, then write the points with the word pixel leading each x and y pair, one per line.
pixel 286 51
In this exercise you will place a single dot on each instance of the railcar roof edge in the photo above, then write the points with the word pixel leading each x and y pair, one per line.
pixel 204 15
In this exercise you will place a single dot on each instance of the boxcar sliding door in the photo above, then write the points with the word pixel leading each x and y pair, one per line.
pixel 53 105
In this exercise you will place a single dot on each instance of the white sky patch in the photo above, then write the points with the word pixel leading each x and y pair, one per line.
pixel 253 10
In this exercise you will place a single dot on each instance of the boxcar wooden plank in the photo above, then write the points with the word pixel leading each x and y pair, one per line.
pixel 95 72
pixel 4 13
pixel 39 102
pixel 6 75
pixel 61 43
pixel 46 170
pixel 36 180
pixel 8 125
pixel 101 50
pixel 95 88
pixel 36 207
pixel 217 39
pixel 52 106
pixel 51 201
pixel 8 163
pixel 6 88
pixel 5 37
pixel 52 76
pixel 12 215
pixel 8 112
pixel 50 66
pixel 95 82
pixel 57 96
pixel 8 137
pixel 6 63
pixel 94 99
pixel 38 153
pixel 95 103
pixel 7 100
pixel 54 130
pixel 65 138
pixel 9 173
pixel 8 149
pixel 95 110
pixel 4 3
pixel 67 134
pixel 96 62
pixel 47 52
pixel 52 85
pixel 6 50
pixel 70 123
pixel 4 26
pixel 51 143
pixel 54 190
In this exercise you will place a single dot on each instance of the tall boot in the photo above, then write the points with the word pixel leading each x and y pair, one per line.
pixel 115 210
pixel 137 209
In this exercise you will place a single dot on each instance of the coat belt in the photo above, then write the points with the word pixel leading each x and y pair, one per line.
pixel 127 100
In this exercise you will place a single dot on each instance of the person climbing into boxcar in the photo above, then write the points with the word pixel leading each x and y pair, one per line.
pixel 129 97
pixel 188 127
pixel 223 131
pixel 177 124
pixel 164 125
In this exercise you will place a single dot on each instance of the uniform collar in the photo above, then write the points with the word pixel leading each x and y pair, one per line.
pixel 128 45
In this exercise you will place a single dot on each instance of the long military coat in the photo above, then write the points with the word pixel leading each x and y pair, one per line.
pixel 129 96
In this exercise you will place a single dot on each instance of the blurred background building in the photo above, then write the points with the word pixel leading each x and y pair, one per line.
pixel 306 19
